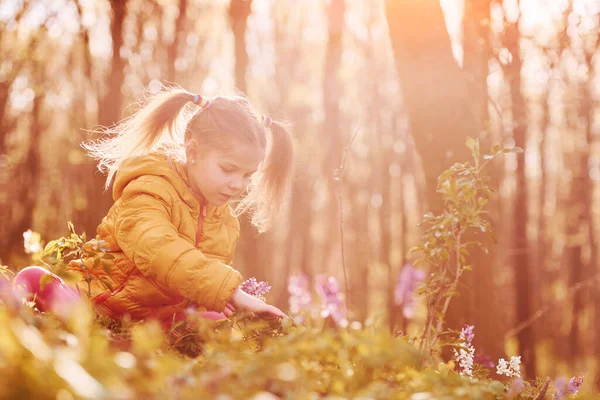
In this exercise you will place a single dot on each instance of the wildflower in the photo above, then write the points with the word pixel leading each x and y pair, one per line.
pixel 332 300
pixel 397 331
pixel 510 368
pixel 99 245
pixel 408 281
pixel 574 384
pixel 256 289
pixel 32 242
pixel 563 389
pixel 467 334
pixel 466 353
pixel 516 387
pixel 300 297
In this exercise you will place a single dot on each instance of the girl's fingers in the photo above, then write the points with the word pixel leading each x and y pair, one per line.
pixel 230 307
pixel 227 312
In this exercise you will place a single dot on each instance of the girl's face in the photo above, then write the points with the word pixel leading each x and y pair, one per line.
pixel 220 176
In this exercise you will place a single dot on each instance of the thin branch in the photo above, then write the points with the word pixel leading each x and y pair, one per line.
pixel 542 392
pixel 338 176
pixel 453 289
pixel 538 314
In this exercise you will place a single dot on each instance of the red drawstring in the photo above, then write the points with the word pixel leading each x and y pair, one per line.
pixel 200 219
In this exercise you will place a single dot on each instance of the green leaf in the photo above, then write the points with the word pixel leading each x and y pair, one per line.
pixel 107 266
pixel 51 247
pixel 106 282
pixel 71 227
pixel 471 143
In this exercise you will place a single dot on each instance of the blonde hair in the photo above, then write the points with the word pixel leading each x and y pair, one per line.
pixel 169 121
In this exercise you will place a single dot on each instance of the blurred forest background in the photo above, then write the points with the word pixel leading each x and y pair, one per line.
pixel 415 78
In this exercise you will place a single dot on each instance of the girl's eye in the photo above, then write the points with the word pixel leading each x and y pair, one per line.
pixel 225 169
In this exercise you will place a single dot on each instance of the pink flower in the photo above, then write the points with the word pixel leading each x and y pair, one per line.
pixel 516 386
pixel 332 300
pixel 408 281
pixel 467 334
pixel 256 289
pixel 300 297
pixel 564 389
pixel 574 384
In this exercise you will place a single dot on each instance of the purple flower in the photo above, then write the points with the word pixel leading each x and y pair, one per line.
pixel 256 289
pixel 409 279
pixel 300 297
pixel 465 354
pixel 516 386
pixel 561 388
pixel 332 300
pixel 467 333
pixel 564 389
pixel 574 384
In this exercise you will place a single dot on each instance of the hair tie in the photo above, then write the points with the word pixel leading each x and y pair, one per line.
pixel 267 121
pixel 200 101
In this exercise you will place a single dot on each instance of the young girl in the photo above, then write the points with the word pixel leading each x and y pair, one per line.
pixel 177 163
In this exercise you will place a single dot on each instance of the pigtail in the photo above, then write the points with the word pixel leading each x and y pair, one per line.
pixel 153 126
pixel 270 186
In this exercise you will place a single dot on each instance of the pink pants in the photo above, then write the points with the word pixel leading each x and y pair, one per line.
pixel 57 297
pixel 53 295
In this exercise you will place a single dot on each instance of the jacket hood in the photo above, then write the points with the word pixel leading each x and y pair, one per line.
pixel 154 164
pixel 174 172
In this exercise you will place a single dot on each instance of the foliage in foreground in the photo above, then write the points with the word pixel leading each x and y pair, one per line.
pixel 44 358
pixel 318 354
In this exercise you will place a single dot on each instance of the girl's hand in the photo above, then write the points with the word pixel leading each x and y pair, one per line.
pixel 244 301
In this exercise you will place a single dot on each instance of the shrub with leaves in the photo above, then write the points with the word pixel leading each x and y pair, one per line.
pixel 447 238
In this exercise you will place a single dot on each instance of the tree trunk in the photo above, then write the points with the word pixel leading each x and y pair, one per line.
pixel 521 264
pixel 331 133
pixel 99 200
pixel 437 94
pixel 580 212
pixel 542 237
pixel 477 53
pixel 174 46
pixel 298 249
pixel 239 10
pixel 253 258
pixel 28 173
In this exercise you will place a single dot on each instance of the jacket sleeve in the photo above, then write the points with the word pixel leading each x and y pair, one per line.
pixel 145 233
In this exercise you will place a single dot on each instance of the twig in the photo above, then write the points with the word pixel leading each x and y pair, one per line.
pixel 453 289
pixel 339 174
pixel 535 316
pixel 542 392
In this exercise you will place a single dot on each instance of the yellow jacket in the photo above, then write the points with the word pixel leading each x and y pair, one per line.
pixel 152 228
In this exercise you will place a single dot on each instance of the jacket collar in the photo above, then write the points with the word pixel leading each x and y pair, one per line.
pixel 207 209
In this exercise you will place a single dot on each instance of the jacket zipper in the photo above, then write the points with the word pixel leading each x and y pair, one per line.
pixel 202 206
pixel 200 220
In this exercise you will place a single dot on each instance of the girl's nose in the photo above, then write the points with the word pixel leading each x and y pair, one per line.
pixel 236 184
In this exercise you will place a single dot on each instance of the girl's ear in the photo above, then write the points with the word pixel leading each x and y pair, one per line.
pixel 192 150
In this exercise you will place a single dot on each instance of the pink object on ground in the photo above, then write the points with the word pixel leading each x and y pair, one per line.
pixel 55 296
